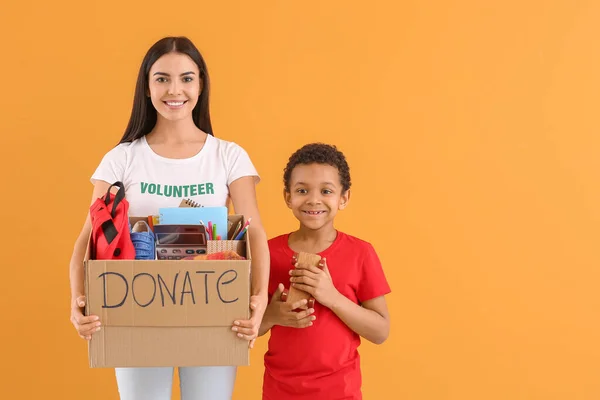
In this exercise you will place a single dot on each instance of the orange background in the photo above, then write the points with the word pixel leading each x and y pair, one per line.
pixel 471 129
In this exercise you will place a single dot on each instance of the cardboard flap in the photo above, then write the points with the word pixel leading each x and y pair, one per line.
pixel 168 293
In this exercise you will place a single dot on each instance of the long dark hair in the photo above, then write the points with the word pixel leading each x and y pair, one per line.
pixel 143 113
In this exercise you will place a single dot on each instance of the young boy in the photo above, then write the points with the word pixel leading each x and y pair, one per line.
pixel 313 354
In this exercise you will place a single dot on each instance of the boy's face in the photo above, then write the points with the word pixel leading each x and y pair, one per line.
pixel 316 194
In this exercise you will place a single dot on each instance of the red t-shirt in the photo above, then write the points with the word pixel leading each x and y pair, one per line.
pixel 321 362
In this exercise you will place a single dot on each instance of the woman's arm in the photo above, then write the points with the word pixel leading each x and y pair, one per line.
pixel 243 195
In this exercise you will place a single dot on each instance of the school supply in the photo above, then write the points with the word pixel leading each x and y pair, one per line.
pixel 244 230
pixel 174 242
pixel 222 255
pixel 217 246
pixel 206 231
pixel 151 222
pixel 193 215
pixel 233 233
pixel 110 237
pixel 293 295
pixel 189 203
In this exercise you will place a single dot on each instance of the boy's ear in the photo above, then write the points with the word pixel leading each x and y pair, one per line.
pixel 345 199
pixel 287 197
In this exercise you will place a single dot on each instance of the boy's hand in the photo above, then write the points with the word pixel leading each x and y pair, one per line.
pixel 282 313
pixel 315 281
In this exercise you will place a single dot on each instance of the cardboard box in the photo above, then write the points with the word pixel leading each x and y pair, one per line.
pixel 168 312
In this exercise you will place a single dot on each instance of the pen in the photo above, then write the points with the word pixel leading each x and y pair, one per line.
pixel 210 230
pixel 236 230
pixel 244 228
pixel 241 234
pixel 214 232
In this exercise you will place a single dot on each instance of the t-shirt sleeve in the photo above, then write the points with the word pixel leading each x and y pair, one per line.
pixel 112 166
pixel 239 164
pixel 373 282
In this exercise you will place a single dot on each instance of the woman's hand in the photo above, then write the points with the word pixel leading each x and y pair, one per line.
pixel 85 326
pixel 248 329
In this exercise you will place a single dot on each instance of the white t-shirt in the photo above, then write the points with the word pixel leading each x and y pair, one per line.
pixel 152 181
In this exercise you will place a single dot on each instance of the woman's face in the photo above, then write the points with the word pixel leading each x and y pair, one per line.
pixel 174 82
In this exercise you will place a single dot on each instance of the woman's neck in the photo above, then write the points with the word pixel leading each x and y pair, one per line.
pixel 175 132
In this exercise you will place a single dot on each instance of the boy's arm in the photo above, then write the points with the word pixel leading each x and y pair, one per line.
pixel 371 320
pixel 264 328
pixel 267 322
pixel 281 313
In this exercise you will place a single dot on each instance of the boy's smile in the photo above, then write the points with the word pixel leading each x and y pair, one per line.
pixel 313 212
pixel 316 194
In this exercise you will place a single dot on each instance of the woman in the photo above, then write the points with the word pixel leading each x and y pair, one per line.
pixel 169 141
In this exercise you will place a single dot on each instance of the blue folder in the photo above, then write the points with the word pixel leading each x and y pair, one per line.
pixel 193 215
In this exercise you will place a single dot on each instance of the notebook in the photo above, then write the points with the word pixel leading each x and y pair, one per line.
pixel 193 216
pixel 189 203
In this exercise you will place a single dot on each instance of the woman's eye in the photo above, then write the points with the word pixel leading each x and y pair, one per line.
pixel 188 79
pixel 161 79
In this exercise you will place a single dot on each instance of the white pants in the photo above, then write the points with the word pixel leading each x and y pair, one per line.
pixel 196 383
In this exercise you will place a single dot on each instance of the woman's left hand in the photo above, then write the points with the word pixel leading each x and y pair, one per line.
pixel 247 329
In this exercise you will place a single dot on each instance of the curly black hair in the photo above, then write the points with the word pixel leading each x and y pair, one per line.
pixel 319 153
